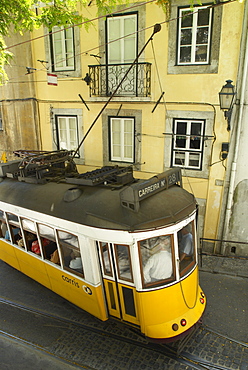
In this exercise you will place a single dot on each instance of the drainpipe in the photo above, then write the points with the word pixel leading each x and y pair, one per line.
pixel 243 74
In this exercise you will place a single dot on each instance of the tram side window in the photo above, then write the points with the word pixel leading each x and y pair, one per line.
pixel 30 238
pixel 48 242
pixel 186 246
pixel 105 254
pixel 122 255
pixel 70 252
pixel 13 232
pixel 157 262
pixel 3 225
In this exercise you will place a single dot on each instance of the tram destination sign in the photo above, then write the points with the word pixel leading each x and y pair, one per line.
pixel 131 196
pixel 158 183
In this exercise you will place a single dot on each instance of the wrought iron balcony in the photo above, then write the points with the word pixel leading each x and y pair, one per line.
pixel 103 79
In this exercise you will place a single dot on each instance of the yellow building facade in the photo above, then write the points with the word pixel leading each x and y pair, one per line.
pixel 166 112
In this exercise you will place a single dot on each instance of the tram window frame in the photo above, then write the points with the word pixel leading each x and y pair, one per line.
pixel 45 237
pixel 119 267
pixel 159 282
pixel 28 241
pixel 186 268
pixel 2 218
pixel 63 245
pixel 103 245
pixel 13 222
pixel 3 224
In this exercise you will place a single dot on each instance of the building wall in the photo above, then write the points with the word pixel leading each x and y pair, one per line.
pixel 19 107
pixel 190 92
pixel 233 223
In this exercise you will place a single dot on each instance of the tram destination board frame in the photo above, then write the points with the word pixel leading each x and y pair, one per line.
pixel 131 196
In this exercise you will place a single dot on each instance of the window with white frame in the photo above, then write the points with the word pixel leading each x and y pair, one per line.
pixel 194 35
pixel 67 132
pixel 121 38
pixel 121 134
pixel 63 52
pixel 187 145
pixel 121 41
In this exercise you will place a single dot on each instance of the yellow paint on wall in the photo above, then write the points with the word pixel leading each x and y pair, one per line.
pixel 182 92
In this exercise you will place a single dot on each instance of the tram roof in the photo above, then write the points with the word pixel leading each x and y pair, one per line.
pixel 98 206
pixel 110 197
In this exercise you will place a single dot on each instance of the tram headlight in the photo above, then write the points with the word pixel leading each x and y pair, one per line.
pixel 202 299
pixel 175 327
pixel 183 322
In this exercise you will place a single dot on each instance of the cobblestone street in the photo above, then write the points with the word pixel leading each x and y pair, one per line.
pixel 226 314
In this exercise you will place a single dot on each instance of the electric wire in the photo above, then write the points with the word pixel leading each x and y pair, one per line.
pixel 109 14
pixel 156 66
pixel 104 16
pixel 130 34
pixel 166 119
pixel 80 24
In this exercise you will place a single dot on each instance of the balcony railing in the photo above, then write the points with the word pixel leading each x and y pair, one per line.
pixel 103 79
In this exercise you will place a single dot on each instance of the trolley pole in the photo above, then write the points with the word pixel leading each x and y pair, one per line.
pixel 157 28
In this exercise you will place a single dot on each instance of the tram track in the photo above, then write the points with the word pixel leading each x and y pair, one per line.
pixel 186 358
pixel 42 349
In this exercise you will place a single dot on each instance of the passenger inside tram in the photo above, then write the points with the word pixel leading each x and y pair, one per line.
pixel 159 265
pixel 71 255
pixel 29 237
pixel 76 261
pixel 15 231
pixel 186 243
pixel 48 246
pixel 186 248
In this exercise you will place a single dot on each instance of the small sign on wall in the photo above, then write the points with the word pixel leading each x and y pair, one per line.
pixel 52 79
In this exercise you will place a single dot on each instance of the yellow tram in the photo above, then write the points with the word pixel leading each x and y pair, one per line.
pixel 113 245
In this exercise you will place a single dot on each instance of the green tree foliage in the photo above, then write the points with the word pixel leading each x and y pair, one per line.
pixel 27 15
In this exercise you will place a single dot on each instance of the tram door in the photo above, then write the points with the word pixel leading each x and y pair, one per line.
pixel 118 281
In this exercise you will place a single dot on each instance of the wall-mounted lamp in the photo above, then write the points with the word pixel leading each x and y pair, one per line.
pixel 224 150
pixel 87 79
pixel 226 96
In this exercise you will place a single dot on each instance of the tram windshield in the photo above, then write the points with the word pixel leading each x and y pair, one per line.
pixel 157 261
pixel 186 248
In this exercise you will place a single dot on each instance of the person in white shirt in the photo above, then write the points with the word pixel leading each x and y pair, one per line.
pixel 159 266
pixel 186 243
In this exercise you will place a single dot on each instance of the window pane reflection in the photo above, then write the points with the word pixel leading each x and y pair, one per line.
pixel 105 252
pixel 186 247
pixel 157 263
pixel 123 262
